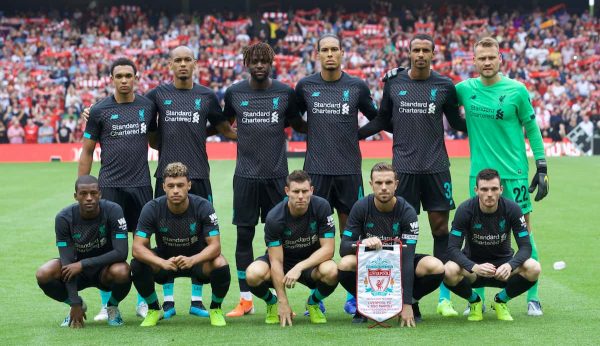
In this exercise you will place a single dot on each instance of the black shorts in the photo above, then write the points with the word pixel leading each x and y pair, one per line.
pixel 131 200
pixel 164 276
pixel 491 282
pixel 255 197
pixel 342 191
pixel 305 277
pixel 200 187
pixel 91 277
pixel 434 191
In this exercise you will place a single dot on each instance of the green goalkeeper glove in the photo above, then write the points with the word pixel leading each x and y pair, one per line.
pixel 540 180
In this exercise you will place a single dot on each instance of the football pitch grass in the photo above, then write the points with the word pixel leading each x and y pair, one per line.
pixel 564 224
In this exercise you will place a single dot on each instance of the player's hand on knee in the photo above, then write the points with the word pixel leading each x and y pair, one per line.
pixel 486 270
pixel 285 314
pixel 77 315
pixel 540 180
pixel 70 271
pixel 169 264
pixel 184 262
pixel 503 272
pixel 373 243
pixel 291 277
pixel 407 316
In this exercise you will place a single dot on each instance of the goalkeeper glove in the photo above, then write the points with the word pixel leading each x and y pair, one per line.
pixel 540 180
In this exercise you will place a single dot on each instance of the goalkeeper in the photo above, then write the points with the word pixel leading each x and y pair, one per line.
pixel 497 109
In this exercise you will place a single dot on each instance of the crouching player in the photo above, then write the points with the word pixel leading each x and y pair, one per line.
pixel 299 233
pixel 485 222
pixel 91 236
pixel 380 217
pixel 187 245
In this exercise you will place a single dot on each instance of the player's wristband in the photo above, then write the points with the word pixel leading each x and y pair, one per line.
pixel 542 166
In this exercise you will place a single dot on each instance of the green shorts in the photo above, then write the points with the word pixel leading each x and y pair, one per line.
pixel 514 189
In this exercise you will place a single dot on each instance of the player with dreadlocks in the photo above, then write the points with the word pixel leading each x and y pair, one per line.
pixel 262 108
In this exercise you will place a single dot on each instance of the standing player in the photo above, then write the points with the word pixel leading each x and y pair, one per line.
pixel 91 236
pixel 485 222
pixel 184 108
pixel 380 217
pixel 120 124
pixel 497 109
pixel 414 102
pixel 331 100
pixel 187 244
pixel 300 237
pixel 262 107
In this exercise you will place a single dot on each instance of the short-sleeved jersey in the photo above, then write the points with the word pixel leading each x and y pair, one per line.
pixel 178 234
pixel 495 117
pixel 121 129
pixel 332 115
pixel 182 120
pixel 366 221
pixel 90 237
pixel 416 108
pixel 487 235
pixel 299 236
pixel 261 117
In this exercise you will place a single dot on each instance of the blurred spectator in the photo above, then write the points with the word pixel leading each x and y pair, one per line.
pixel 31 132
pixel 587 126
pixel 46 133
pixel 15 132
pixel 64 134
pixel 3 134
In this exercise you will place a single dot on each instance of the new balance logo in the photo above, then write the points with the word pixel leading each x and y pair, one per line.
pixel 403 93
pixel 477 226
pixel 114 117
pixel 316 94
pixel 287 232
pixel 163 230
pixel 244 104
pixel 473 97
pixel 167 102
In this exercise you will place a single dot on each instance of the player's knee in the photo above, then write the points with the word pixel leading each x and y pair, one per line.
pixel 347 263
pixel 255 273
pixel 219 262
pixel 48 272
pixel 429 266
pixel 328 271
pixel 532 269
pixel 138 269
pixel 452 273
pixel 119 272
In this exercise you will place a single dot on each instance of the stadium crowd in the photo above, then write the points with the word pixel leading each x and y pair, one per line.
pixel 54 64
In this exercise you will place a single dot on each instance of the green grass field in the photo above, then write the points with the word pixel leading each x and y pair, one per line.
pixel 564 223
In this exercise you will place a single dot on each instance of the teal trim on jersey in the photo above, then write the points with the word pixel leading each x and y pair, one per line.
pixel 411 241
pixel 523 234
pixel 456 233
pixel 274 243
pixel 61 244
pixel 87 135
pixel 361 192
pixel 241 274
pixel 216 299
pixel 347 233
pixel 141 234
pixel 328 235
pixel 213 233
pixel 121 236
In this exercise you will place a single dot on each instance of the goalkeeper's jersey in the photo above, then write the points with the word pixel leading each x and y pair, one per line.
pixel 496 115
